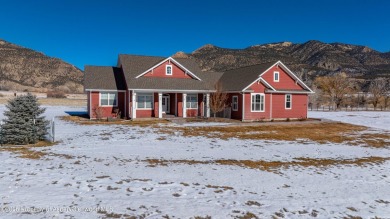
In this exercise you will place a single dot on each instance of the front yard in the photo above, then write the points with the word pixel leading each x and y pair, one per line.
pixel 165 170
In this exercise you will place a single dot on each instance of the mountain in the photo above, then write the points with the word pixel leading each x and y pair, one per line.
pixel 313 57
pixel 23 69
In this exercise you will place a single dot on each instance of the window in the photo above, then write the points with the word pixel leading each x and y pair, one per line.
pixel 234 103
pixel 257 102
pixel 168 69
pixel 144 101
pixel 288 101
pixel 276 76
pixel 192 101
pixel 108 99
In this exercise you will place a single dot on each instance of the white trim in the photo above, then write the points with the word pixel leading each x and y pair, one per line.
pixel 133 105
pixel 261 95
pixel 173 91
pixel 145 94
pixel 262 80
pixel 167 103
pixel 166 70
pixel 170 59
pixel 287 70
pixel 208 105
pixel 104 90
pixel 159 105
pixel 289 92
pixel 184 100
pixel 276 73
pixel 108 99
pixel 235 97
pixel 294 76
pixel 285 101
pixel 197 101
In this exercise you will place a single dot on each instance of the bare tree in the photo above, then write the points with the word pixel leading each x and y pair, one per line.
pixel 218 99
pixel 336 87
pixel 378 89
pixel 99 112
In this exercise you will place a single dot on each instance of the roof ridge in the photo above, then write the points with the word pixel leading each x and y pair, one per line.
pixel 142 55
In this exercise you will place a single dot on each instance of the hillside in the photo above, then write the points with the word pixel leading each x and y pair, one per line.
pixel 313 57
pixel 25 69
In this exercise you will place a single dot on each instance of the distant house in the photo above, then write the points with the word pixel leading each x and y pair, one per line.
pixel 149 86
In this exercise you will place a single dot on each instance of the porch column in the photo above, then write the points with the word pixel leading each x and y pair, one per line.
pixel 184 105
pixel 159 105
pixel 133 105
pixel 207 105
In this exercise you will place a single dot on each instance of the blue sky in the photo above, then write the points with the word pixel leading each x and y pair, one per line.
pixel 85 32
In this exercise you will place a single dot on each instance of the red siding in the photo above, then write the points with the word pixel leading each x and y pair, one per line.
pixel 147 113
pixel 257 88
pixel 159 71
pixel 298 106
pixel 108 111
pixel 285 81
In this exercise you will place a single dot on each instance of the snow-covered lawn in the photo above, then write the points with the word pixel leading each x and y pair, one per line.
pixel 373 119
pixel 102 171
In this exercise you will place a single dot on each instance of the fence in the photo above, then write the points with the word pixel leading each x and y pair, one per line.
pixel 347 108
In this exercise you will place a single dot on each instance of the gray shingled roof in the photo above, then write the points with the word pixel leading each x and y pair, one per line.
pixel 238 79
pixel 104 78
pixel 134 65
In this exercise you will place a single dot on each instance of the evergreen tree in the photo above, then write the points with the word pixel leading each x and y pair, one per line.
pixel 24 123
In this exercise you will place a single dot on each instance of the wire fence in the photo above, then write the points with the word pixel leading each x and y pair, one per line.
pixel 348 108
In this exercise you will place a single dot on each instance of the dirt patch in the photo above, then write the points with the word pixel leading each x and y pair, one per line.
pixel 83 120
pixel 273 166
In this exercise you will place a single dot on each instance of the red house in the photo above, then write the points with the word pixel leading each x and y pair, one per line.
pixel 149 86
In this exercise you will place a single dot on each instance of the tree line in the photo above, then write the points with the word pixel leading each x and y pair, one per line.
pixel 341 91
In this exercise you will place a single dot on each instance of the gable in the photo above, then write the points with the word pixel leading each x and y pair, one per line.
pixel 160 71
pixel 286 82
pixel 258 87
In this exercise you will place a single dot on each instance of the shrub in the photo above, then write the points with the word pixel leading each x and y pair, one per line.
pixel 55 94
pixel 24 123
pixel 99 112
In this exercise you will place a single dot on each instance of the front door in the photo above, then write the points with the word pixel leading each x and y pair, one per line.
pixel 165 104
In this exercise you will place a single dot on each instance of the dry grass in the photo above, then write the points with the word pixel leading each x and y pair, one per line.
pixel 82 120
pixel 27 151
pixel 320 132
pixel 273 166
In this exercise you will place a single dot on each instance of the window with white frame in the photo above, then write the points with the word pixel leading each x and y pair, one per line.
pixel 276 76
pixel 108 98
pixel 144 101
pixel 288 101
pixel 192 101
pixel 257 102
pixel 235 103
pixel 168 69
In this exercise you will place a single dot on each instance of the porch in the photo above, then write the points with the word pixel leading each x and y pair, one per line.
pixel 162 104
